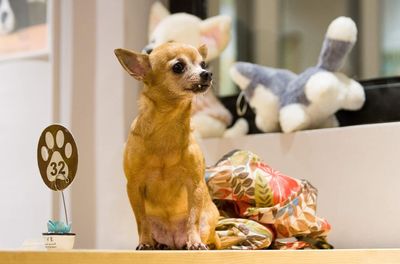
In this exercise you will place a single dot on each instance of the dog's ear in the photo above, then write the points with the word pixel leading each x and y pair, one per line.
pixel 203 50
pixel 136 64
pixel 157 13
pixel 216 33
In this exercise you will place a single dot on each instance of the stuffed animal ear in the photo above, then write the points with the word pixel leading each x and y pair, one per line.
pixel 216 33
pixel 136 64
pixel 157 13
pixel 203 50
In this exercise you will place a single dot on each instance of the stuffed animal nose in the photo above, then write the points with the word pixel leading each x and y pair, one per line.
pixel 148 49
pixel 206 75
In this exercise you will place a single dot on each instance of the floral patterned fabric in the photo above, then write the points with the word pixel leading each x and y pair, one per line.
pixel 245 188
pixel 240 233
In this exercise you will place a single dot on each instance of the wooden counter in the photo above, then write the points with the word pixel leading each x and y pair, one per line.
pixel 351 256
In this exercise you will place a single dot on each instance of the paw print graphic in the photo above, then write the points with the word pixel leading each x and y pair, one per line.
pixel 57 157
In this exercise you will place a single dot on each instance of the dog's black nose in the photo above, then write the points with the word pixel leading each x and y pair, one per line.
pixel 206 75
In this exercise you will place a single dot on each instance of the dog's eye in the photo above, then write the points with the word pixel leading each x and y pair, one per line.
pixel 178 67
pixel 203 65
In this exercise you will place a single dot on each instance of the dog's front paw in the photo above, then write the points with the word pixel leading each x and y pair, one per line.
pixel 196 246
pixel 143 246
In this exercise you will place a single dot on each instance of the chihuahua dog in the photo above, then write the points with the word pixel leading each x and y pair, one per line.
pixel 163 164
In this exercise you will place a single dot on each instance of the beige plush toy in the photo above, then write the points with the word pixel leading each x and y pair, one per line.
pixel 210 118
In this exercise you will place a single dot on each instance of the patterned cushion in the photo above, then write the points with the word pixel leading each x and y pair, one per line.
pixel 245 187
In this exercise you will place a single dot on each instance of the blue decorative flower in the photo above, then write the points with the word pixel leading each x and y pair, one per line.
pixel 58 227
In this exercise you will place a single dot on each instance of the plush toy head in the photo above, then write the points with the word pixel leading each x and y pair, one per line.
pixel 189 29
pixel 289 102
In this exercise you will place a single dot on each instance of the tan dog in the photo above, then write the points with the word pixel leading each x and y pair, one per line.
pixel 163 164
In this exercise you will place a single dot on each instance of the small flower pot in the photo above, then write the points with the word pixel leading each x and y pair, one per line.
pixel 59 241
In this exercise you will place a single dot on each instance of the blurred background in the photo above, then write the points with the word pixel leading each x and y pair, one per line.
pixel 288 34
pixel 57 66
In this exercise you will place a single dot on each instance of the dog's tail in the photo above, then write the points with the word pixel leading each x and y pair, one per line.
pixel 339 40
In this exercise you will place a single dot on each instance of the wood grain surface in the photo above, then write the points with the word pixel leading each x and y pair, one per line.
pixel 350 256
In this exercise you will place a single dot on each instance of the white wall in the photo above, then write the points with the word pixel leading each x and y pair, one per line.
pixel 25 110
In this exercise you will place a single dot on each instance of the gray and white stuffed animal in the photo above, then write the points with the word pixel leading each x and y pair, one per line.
pixel 289 102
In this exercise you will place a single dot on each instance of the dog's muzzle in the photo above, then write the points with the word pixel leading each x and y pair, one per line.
pixel 200 87
pixel 205 82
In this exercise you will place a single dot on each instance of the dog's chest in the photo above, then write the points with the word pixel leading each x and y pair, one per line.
pixel 165 193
